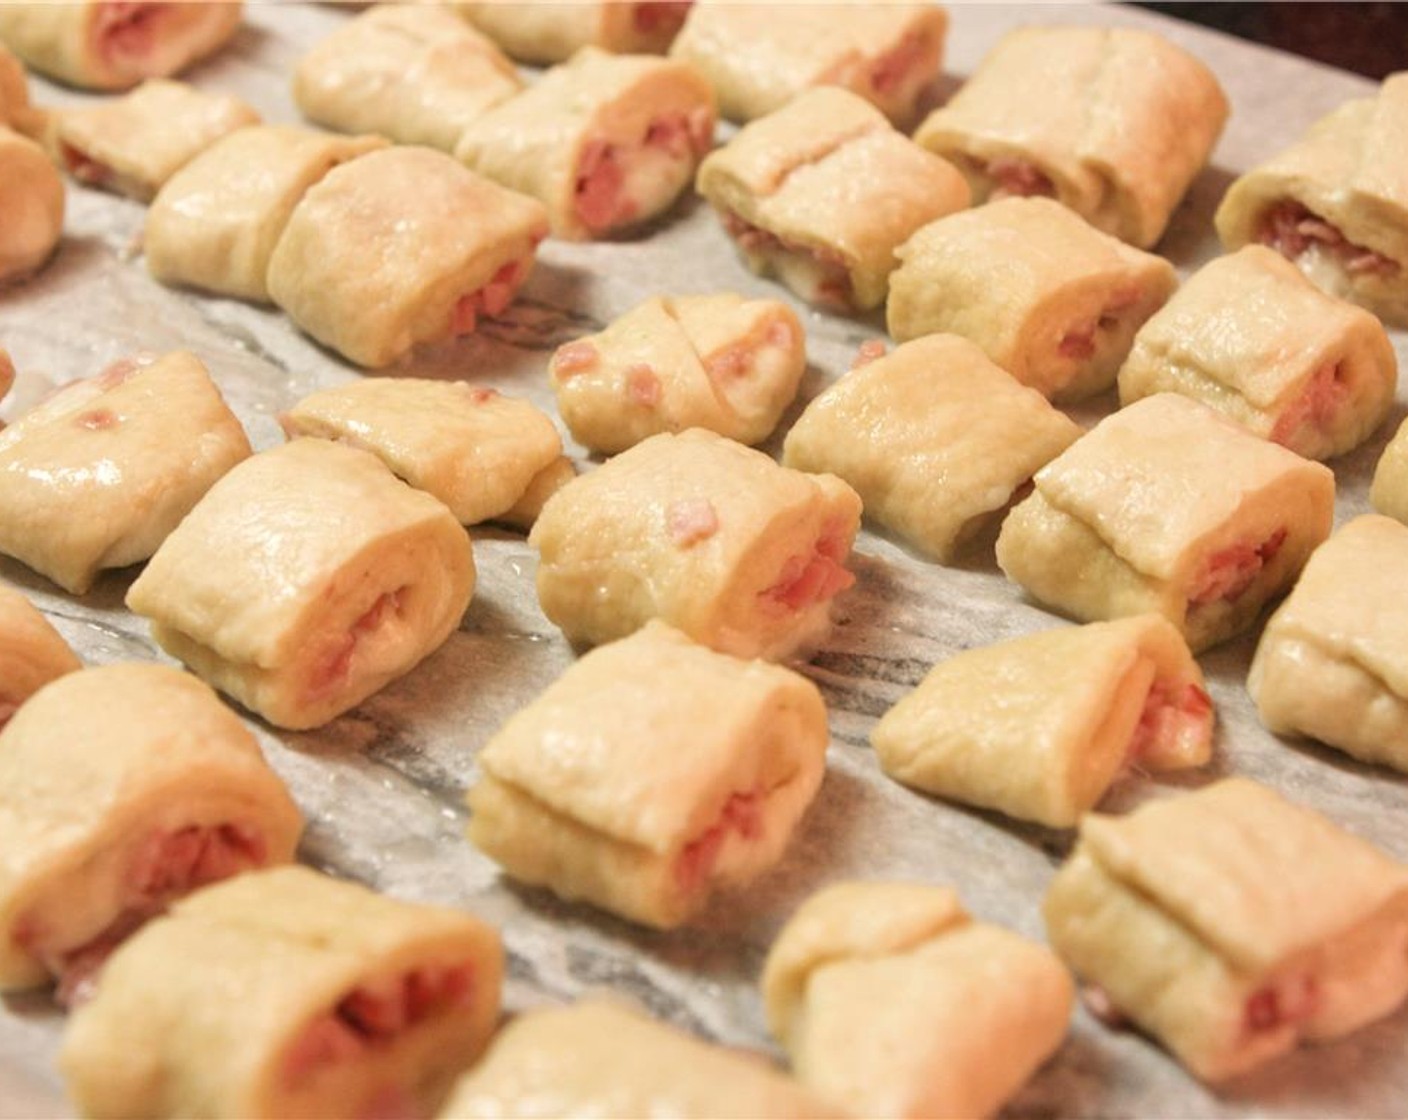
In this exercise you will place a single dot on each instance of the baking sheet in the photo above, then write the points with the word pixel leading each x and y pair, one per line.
pixel 381 786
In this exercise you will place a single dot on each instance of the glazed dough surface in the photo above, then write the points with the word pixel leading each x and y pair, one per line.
pixel 543 34
pixel 32 200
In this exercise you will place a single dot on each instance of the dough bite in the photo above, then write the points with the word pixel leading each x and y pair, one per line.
pixel 934 438
pixel 1389 492
pixel 286 993
pixel 32 200
pixel 122 789
pixel 101 472
pixel 451 246
pixel 892 1001
pixel 651 774
pixel 543 34
pixel 1168 507
pixel 1113 123
pixel 1050 299
pixel 14 89
pixel 1232 924
pixel 721 362
pixel 823 191
pixel 307 580
pixel 31 652
pixel 741 554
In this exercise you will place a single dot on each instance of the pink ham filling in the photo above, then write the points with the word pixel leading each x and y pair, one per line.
pixel 1079 343
pixel 660 17
pixel 871 350
pixel 1171 715
pixel 489 300
pixel 1291 229
pixel 812 577
pixel 125 30
pixel 97 419
pixel 742 815
pixel 1017 178
pixel 84 168
pixel 575 357
pixel 643 385
pixel 1325 395
pixel 600 200
pixel 1227 574
pixel 691 520
pixel 337 662
pixel 736 361
pixel 1290 1002
pixel 835 285
pixel 892 71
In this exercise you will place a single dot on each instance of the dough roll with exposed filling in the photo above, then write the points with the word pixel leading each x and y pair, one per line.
pixel 32 200
pixel 544 34
pixel 286 993
pixel 32 653
pixel 307 580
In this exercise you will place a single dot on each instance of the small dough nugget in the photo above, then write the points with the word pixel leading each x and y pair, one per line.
pixel 652 773
pixel 32 202
pixel 448 246
pixel 1166 506
pixel 416 73
pixel 1336 203
pixel 934 437
pixel 741 554
pixel 1251 337
pixel 721 362
pixel 599 1058
pixel 215 223
pixel 114 44
pixel 1114 123
pixel 543 34
pixel 1050 299
pixel 892 1001
pixel 31 652
pixel 1041 727
pixel 306 580
pixel 1333 661
pixel 605 141
pixel 101 472
pixel 822 192
pixel 122 788
pixel 476 450
pixel 1389 492
pixel 286 993
pixel 1232 924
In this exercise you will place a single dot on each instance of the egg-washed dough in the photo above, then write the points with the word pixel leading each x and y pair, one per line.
pixel 605 141
pixel 1040 727
pixel 716 539
pixel 97 44
pixel 476 450
pixel 1232 924
pixel 599 1058
pixel 1113 123
pixel 448 246
pixel 1336 203
pixel 1250 336
pixel 1332 662
pixel 215 223
pixel 415 73
pixel 31 652
pixel 1389 492
pixel 891 1001
pixel 721 362
pixel 758 57
pixel 306 580
pixel 122 788
pixel 1166 506
pixel 934 437
pixel 101 472
pixel 1049 298
pixel 543 34
pixel 32 201
pixel 576 793
pixel 823 191
pixel 286 993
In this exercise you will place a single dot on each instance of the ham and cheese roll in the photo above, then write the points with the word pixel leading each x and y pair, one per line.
pixel 599 1058
pixel 892 1001
pixel 721 362
pixel 1232 924
pixel 758 57
pixel 1041 727
pixel 823 191
pixel 476 450
pixel 121 789
pixel 286 993
pixel 1251 337
pixel 134 144
pixel 605 141
pixel 31 652
pixel 1336 203
pixel 1050 299
pixel 450 246
pixel 544 34
pixel 101 472
pixel 1112 122
pixel 1168 507
pixel 306 580
pixel 934 438
pixel 114 44
pixel 1333 661
pixel 215 223
pixel 576 794
pixel 32 200
pixel 741 554
pixel 415 73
